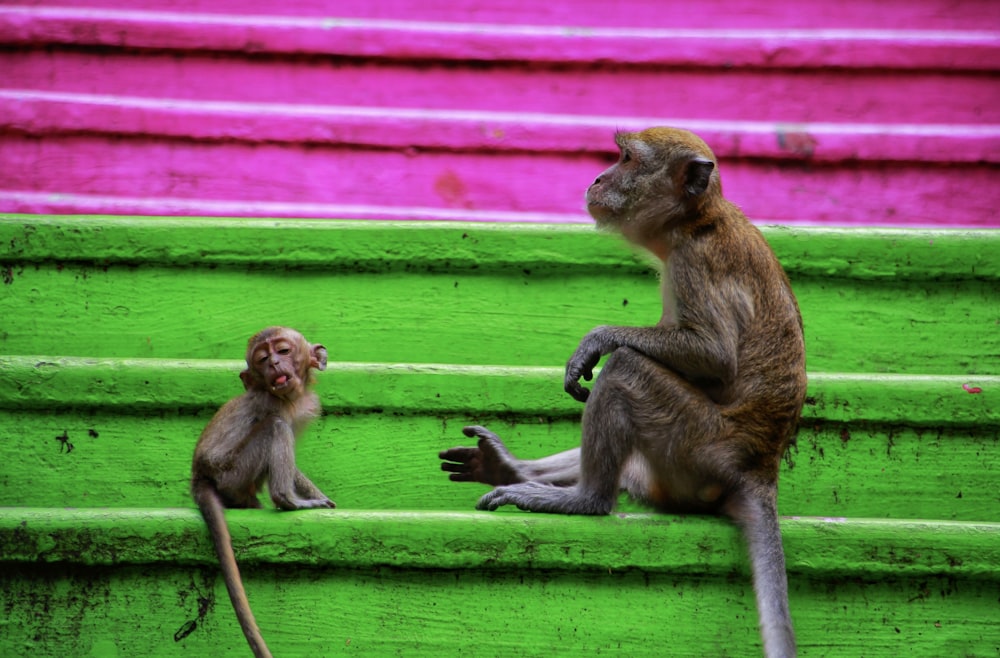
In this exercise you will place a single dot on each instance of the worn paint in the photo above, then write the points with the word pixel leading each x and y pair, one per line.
pixel 36 82
pixel 139 456
pixel 140 288
pixel 927 14
pixel 158 312
pixel 38 382
pixel 458 39
pixel 503 541
pixel 44 113
pixel 100 535
pixel 270 176
pixel 183 610
pixel 156 176
pixel 122 336
pixel 377 247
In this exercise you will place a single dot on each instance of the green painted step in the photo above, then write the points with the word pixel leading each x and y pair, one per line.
pixel 873 300
pixel 176 609
pixel 820 547
pixel 892 446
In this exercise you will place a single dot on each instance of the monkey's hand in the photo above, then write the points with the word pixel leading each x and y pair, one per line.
pixel 489 462
pixel 594 345
pixel 310 493
pixel 314 503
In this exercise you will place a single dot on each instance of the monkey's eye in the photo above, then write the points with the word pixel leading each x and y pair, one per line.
pixel 626 156
pixel 284 350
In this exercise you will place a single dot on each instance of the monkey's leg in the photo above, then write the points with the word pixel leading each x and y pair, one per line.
pixel 561 469
pixel 595 494
pixel 608 442
pixel 238 484
pixel 643 425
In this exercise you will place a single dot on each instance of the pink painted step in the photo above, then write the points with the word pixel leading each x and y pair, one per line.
pixel 298 180
pixel 718 14
pixel 473 41
pixel 43 113
pixel 882 96
pixel 876 113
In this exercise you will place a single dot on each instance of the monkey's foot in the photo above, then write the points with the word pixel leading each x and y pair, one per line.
pixel 489 462
pixel 537 497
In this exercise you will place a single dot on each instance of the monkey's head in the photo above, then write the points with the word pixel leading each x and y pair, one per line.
pixel 279 361
pixel 663 176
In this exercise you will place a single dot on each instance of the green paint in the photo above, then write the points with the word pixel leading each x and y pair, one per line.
pixel 177 610
pixel 817 547
pixel 120 337
pixel 143 460
pixel 871 446
pixel 193 288
pixel 41 381
pixel 865 253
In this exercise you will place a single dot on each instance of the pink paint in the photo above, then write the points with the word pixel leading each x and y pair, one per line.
pixel 832 113
pixel 95 204
pixel 461 41
pixel 971 389
pixel 793 96
pixel 53 113
pixel 885 14
pixel 880 193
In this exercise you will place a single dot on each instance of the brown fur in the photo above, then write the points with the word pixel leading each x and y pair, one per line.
pixel 251 441
pixel 694 413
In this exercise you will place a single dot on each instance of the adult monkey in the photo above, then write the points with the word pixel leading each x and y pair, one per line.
pixel 695 413
pixel 250 441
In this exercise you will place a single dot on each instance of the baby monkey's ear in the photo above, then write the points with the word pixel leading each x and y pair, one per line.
pixel 318 354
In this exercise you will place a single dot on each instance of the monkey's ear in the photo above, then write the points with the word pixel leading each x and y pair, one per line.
pixel 697 175
pixel 247 378
pixel 318 354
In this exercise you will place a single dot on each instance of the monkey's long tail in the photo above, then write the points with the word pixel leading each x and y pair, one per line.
pixel 758 518
pixel 212 510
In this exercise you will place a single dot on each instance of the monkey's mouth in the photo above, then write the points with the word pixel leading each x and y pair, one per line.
pixel 279 382
pixel 598 210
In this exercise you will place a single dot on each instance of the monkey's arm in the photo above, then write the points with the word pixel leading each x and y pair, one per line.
pixel 306 489
pixel 283 475
pixel 698 350
pixel 699 339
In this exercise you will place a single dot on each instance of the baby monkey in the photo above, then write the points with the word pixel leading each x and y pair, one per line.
pixel 250 441
pixel 694 413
